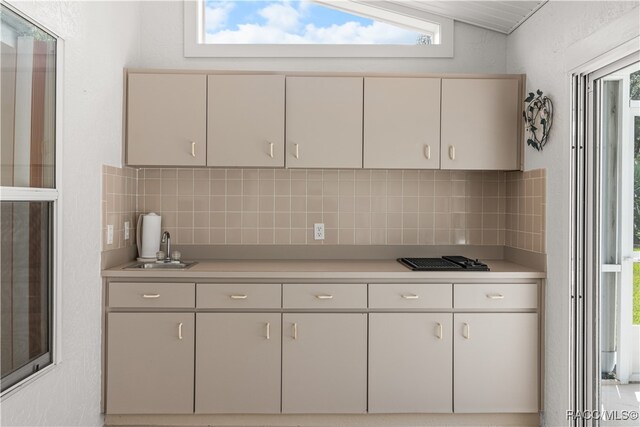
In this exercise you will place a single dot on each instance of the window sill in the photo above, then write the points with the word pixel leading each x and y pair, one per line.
pixel 16 388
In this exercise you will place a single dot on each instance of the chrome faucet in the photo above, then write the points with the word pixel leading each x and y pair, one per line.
pixel 166 239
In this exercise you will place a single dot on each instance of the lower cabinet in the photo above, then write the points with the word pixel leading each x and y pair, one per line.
pixel 495 362
pixel 238 363
pixel 324 363
pixel 150 363
pixel 410 362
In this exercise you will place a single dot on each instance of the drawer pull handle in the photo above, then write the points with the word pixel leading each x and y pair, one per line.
pixel 410 296
pixel 297 154
pixel 452 152
pixel 295 331
pixel 271 150
pixel 495 296
pixel 268 330
pixel 238 297
pixel 427 151
pixel 324 296
pixel 180 330
pixel 466 331
pixel 193 149
pixel 150 296
pixel 439 330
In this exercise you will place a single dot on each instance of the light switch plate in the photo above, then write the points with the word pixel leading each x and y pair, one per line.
pixel 127 224
pixel 318 231
pixel 110 234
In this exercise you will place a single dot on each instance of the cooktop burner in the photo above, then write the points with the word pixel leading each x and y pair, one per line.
pixel 446 263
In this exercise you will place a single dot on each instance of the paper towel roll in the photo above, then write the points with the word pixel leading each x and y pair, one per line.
pixel 149 237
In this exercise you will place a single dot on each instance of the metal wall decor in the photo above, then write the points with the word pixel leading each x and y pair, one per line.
pixel 538 117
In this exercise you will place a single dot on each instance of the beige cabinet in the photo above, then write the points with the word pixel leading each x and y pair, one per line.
pixel 495 362
pixel 150 363
pixel 166 120
pixel 238 363
pixel 401 123
pixel 324 122
pixel 245 121
pixel 410 362
pixel 480 124
pixel 324 363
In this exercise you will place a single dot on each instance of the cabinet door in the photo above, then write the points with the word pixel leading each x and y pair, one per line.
pixel 410 362
pixel 495 362
pixel 245 121
pixel 238 363
pixel 324 122
pixel 401 123
pixel 480 122
pixel 166 119
pixel 324 363
pixel 150 363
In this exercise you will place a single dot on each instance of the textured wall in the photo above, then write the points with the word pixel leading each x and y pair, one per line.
pixel 476 51
pixel 540 48
pixel 101 38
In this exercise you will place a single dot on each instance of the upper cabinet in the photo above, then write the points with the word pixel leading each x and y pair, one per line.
pixel 245 121
pixel 166 120
pixel 480 124
pixel 401 123
pixel 324 122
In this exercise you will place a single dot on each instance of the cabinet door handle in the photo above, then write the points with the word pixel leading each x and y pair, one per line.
pixel 150 296
pixel 466 332
pixel 180 330
pixel 495 296
pixel 427 151
pixel 324 296
pixel 439 330
pixel 452 152
pixel 268 330
pixel 410 296
pixel 271 150
pixel 295 331
pixel 297 151
pixel 238 296
pixel 193 149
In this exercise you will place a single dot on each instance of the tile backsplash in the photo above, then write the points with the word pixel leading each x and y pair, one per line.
pixel 525 222
pixel 362 207
pixel 119 204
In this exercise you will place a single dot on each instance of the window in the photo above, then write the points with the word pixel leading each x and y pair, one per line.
pixel 28 197
pixel 304 28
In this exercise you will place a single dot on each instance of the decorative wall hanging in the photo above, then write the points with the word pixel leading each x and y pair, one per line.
pixel 538 117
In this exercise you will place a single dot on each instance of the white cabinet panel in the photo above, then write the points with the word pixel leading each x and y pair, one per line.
pixel 480 124
pixel 401 123
pixel 324 122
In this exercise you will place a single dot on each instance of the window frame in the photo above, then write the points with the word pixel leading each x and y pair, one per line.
pixel 54 195
pixel 195 48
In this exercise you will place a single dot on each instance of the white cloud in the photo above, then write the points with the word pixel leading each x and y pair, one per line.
pixel 284 26
pixel 216 16
pixel 281 16
pixel 356 33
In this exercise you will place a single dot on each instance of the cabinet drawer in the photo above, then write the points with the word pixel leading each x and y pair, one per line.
pixel 238 295
pixel 320 296
pixel 152 295
pixel 410 295
pixel 498 296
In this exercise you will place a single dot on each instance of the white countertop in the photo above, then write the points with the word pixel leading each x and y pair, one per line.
pixel 323 269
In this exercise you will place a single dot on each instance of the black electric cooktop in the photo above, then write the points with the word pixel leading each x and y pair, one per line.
pixel 446 263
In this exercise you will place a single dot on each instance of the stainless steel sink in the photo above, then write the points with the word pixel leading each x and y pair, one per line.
pixel 183 265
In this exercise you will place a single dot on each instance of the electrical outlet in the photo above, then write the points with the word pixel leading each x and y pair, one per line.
pixel 110 234
pixel 318 231
pixel 127 224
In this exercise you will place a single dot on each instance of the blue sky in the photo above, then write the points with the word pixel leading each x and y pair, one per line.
pixel 292 22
